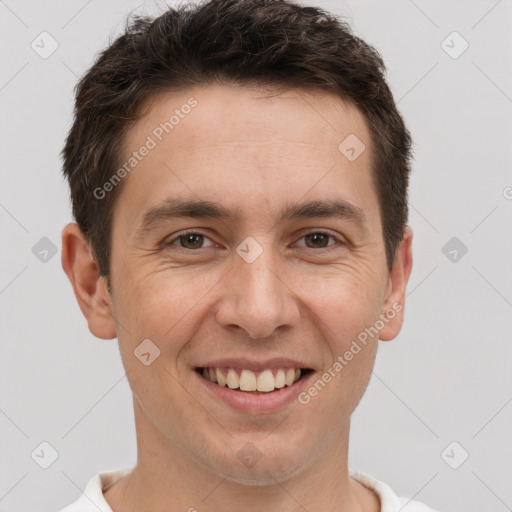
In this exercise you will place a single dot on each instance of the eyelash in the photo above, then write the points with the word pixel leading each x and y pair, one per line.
pixel 315 232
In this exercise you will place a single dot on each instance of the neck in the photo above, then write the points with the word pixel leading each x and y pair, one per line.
pixel 167 478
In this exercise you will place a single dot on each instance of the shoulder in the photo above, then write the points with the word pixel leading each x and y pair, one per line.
pixel 389 500
pixel 91 498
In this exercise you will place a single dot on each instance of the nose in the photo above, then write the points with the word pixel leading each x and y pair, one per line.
pixel 257 299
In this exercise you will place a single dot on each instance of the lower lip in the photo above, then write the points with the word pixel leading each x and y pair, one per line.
pixel 257 404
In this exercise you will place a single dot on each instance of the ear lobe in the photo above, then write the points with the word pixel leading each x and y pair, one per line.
pixel 90 288
pixel 394 304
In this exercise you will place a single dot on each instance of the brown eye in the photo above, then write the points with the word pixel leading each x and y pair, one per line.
pixel 191 240
pixel 317 240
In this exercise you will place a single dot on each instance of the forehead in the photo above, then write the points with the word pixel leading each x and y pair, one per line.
pixel 255 112
pixel 254 144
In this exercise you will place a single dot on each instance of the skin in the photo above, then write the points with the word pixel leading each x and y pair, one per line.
pixel 257 150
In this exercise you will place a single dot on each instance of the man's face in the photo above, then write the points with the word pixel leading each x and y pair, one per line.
pixel 251 288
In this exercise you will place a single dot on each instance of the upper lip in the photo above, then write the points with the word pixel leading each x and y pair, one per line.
pixel 253 365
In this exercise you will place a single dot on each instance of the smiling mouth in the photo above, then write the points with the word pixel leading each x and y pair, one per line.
pixel 247 381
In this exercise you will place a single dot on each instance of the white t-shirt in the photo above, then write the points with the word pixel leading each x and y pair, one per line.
pixel 92 499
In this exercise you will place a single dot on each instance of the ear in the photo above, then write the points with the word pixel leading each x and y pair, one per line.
pixel 394 304
pixel 90 288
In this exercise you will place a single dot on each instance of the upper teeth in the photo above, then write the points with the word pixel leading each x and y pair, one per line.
pixel 249 381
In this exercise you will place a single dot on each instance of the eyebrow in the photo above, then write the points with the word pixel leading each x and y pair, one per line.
pixel 199 209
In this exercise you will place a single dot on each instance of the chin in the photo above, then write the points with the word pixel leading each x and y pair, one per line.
pixel 250 466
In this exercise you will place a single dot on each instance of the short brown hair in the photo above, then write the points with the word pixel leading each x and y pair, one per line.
pixel 242 42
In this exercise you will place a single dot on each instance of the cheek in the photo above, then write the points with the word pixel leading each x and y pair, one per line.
pixel 342 304
pixel 348 308
pixel 159 304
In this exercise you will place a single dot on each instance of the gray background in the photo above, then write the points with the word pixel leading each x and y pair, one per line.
pixel 446 378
